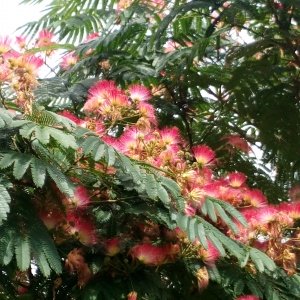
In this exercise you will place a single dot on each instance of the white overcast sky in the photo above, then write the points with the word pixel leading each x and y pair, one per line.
pixel 13 15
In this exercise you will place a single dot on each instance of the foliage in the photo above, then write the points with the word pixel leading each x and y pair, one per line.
pixel 109 186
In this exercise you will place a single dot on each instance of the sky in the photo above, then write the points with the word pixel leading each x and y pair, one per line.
pixel 13 15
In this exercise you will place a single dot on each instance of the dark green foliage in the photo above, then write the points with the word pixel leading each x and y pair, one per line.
pixel 210 88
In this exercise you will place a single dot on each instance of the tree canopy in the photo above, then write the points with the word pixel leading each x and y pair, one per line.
pixel 131 171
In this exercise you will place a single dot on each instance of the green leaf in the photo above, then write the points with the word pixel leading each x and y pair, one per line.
pixel 5 118
pixel 184 8
pixel 255 257
pixel 51 47
pixel 110 156
pixel 22 250
pixel 4 203
pixel 62 181
pixel 64 139
pixel 6 249
pixel 163 195
pixel 89 144
pixel 222 214
pixel 232 246
pixel 231 210
pixel 98 152
pixel 42 133
pixel 239 287
pixel 201 234
pixel 182 221
pixel 21 164
pixel 173 188
pixel 7 160
pixel 27 130
pixel 38 172
pixel 44 249
pixel 191 229
pixel 211 210
pixel 42 262
pixel 261 260
pixel 151 187
pixel 216 243
pixel 9 251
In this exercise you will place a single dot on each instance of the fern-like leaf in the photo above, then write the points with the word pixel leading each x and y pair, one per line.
pixel 4 203
pixel 61 180
pixel 5 118
pixel 22 250
pixel 44 250
pixel 38 172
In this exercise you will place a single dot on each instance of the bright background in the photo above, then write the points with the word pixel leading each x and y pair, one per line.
pixel 14 15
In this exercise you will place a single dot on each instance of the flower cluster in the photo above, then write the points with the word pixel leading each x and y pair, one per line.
pixel 18 69
pixel 72 221
pixel 125 119
pixel 108 106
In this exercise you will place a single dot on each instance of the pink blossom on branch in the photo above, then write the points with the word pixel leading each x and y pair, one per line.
pixel 80 199
pixel 139 92
pixel 5 44
pixel 248 297
pixel 112 246
pixel 45 38
pixel 81 228
pixel 236 179
pixel 69 60
pixel 204 155
pixel 237 142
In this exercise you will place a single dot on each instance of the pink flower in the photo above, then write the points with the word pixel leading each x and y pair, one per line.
pixel 33 62
pixel 5 72
pixel 132 296
pixel 156 4
pixel 149 254
pixel 81 228
pixel 112 246
pixel 236 179
pixel 248 297
pixel 209 255
pixel 290 209
pixel 21 41
pixel 29 62
pixel 51 218
pixel 123 4
pixel 168 157
pixel 195 195
pixel 213 189
pixel 73 118
pixel 189 210
pixel 255 198
pixel 131 142
pixel 69 60
pixel 81 197
pixel 98 93
pixel 147 111
pixel 45 38
pixel 202 278
pixel 116 98
pixel 171 46
pixel 92 36
pixel 101 88
pixel 266 214
pixel 5 43
pixel 139 93
pixel 170 136
pixel 204 155
pixel 238 142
